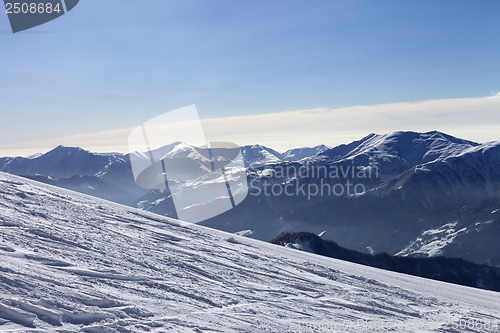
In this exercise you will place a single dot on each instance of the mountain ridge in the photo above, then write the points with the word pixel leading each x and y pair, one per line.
pixel 424 183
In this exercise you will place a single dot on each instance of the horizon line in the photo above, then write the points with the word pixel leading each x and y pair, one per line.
pixel 476 119
pixel 249 145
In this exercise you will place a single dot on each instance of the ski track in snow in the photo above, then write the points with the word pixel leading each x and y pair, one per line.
pixel 74 263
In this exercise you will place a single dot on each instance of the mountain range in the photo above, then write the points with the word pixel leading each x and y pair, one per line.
pixel 420 194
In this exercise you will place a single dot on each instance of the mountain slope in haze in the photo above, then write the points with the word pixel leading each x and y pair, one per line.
pixel 60 162
pixel 396 152
pixel 74 263
pixel 297 154
pixel 439 268
pixel 107 176
pixel 258 155
pixel 432 194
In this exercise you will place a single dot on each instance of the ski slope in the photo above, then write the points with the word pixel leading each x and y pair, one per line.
pixel 74 263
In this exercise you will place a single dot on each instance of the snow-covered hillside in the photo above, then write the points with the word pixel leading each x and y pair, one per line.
pixel 258 155
pixel 73 263
pixel 298 154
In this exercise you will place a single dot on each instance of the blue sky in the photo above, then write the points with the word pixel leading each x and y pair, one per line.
pixel 116 63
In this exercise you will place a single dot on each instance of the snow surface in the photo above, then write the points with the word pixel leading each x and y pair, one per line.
pixel 73 263
pixel 424 147
pixel 432 241
pixel 258 155
pixel 298 154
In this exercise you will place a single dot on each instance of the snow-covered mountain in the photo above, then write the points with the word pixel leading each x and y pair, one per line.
pixel 396 152
pixel 297 154
pixel 426 194
pixel 61 162
pixel 430 194
pixel 107 176
pixel 73 263
pixel 257 155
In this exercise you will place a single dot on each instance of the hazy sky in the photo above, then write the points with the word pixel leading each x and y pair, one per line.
pixel 113 64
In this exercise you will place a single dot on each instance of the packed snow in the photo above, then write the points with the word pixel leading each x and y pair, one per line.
pixel 74 263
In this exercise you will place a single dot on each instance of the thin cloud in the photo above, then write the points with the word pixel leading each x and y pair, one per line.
pixel 476 119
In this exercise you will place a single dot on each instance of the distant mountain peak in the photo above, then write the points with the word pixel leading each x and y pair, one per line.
pixel 297 154
pixel 66 149
pixel 407 147
pixel 402 135
pixel 256 155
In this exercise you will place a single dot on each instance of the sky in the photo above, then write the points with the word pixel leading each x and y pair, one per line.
pixel 284 73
